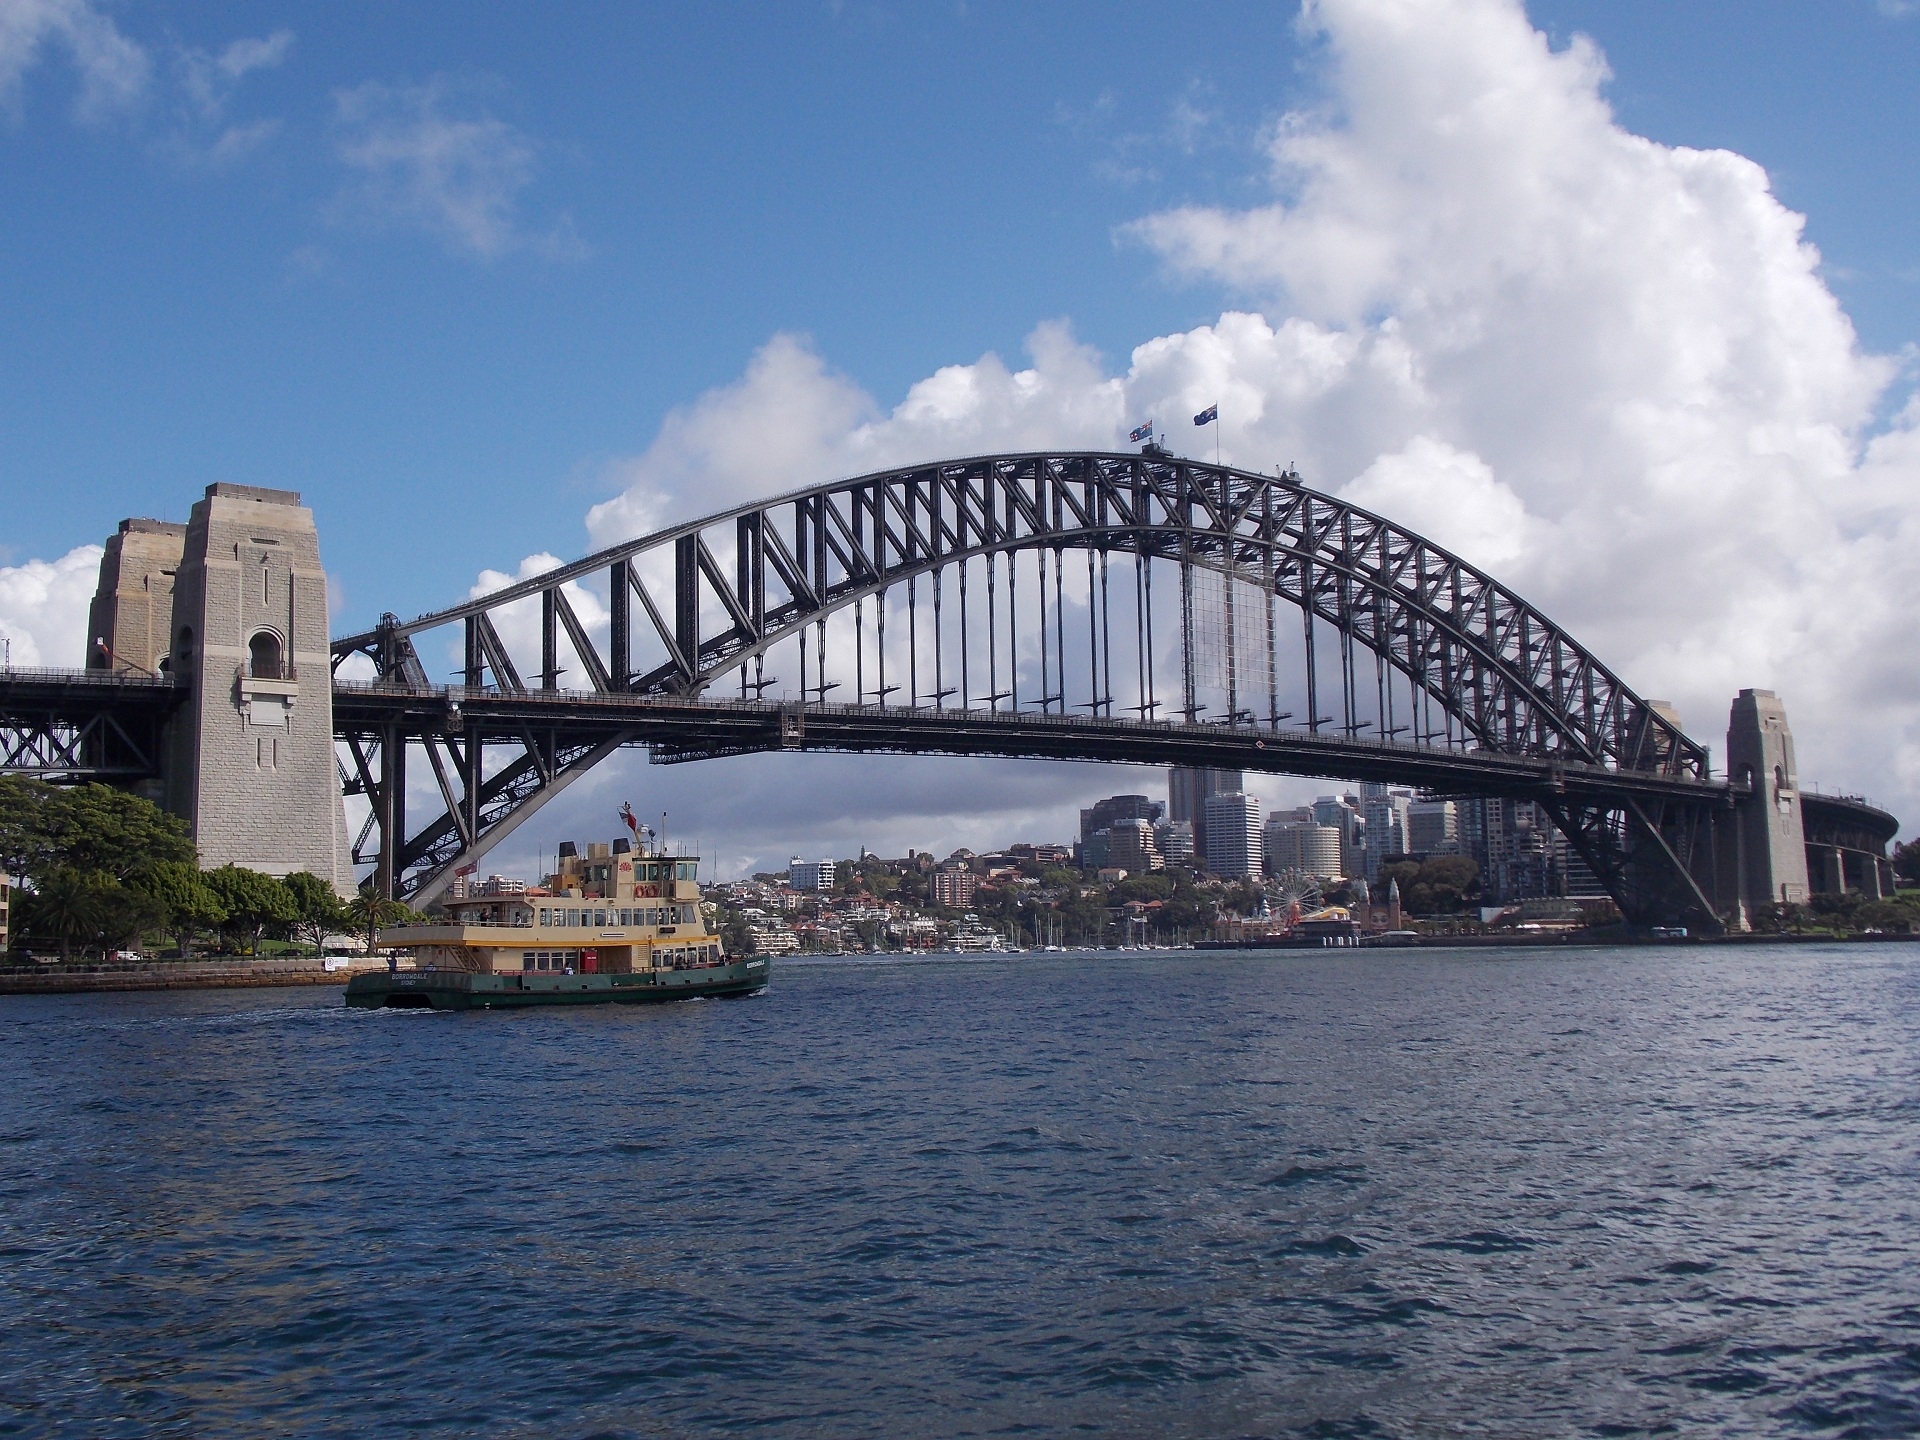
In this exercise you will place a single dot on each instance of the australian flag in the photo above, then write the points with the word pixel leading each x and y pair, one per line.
pixel 1207 416
pixel 1142 432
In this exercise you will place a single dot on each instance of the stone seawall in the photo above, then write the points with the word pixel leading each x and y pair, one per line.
pixel 178 975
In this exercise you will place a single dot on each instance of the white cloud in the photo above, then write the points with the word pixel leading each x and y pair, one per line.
pixel 1452 499
pixel 791 421
pixel 427 157
pixel 43 608
pixel 1606 369
pixel 113 69
pixel 205 135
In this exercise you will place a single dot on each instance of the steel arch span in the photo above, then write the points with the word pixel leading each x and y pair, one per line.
pixel 975 560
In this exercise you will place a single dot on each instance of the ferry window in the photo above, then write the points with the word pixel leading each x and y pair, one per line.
pixel 573 917
pixel 623 917
pixel 543 916
pixel 526 959
pixel 599 917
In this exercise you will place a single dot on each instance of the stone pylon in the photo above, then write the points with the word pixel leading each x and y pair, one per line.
pixel 1768 863
pixel 130 624
pixel 250 763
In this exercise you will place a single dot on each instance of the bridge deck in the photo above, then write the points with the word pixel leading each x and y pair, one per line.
pixel 683 729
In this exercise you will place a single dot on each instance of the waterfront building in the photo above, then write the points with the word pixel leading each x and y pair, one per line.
pixel 953 889
pixel 813 876
pixel 1188 789
pixel 1233 834
pixel 1433 828
pixel 768 934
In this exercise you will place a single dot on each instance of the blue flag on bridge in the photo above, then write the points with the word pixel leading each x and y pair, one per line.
pixel 1141 432
pixel 1207 416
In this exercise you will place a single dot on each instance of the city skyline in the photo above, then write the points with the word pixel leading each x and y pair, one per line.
pixel 446 284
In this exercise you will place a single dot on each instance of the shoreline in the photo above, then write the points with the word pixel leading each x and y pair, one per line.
pixel 171 975
pixel 245 975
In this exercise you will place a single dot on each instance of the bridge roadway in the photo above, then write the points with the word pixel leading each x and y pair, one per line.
pixel 80 710
pixel 680 728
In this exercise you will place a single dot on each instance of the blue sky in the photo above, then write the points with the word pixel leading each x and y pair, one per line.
pixel 909 185
pixel 460 274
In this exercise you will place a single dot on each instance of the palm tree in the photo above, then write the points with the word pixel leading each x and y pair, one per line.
pixel 374 910
pixel 69 905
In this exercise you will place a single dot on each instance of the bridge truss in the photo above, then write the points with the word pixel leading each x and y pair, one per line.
pixel 1009 618
pixel 80 725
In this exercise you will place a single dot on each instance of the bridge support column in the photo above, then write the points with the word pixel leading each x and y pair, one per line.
pixel 1772 841
pixel 1832 879
pixel 249 761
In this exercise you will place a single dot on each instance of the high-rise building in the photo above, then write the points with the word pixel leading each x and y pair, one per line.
pixel 1433 828
pixel 1342 814
pixel 1187 792
pixel 1521 855
pixel 818 876
pixel 1303 846
pixel 1132 847
pixel 954 889
pixel 1105 814
pixel 1385 811
pixel 1233 834
pixel 1175 839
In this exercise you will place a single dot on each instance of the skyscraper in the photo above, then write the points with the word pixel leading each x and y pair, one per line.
pixel 1233 834
pixel 1187 792
pixel 1386 816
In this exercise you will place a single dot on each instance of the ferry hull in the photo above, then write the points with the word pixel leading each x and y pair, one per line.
pixel 458 990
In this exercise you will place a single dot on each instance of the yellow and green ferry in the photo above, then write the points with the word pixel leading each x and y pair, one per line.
pixel 618 925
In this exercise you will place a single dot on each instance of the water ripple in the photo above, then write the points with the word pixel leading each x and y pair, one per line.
pixel 1600 1193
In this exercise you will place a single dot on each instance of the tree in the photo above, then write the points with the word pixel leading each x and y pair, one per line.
pixel 189 904
pixel 95 827
pixel 24 846
pixel 1906 861
pixel 1441 885
pixel 65 907
pixel 374 911
pixel 90 908
pixel 318 910
pixel 253 902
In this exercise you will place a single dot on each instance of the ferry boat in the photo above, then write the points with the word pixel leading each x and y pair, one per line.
pixel 618 925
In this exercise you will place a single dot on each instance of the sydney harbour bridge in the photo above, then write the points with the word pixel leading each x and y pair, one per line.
pixel 1141 608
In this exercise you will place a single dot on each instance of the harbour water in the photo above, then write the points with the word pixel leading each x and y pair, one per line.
pixel 1601 1192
